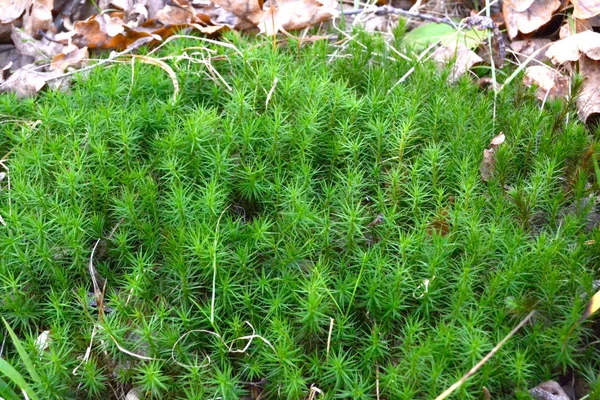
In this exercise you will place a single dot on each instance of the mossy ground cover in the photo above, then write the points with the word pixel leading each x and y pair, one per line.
pixel 319 216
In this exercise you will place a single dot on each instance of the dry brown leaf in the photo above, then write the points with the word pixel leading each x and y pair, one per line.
pixel 92 33
pixel 12 9
pixel 39 18
pixel 551 83
pixel 488 164
pixel 550 390
pixel 462 57
pixel 588 101
pixel 248 10
pixel 585 48
pixel 174 15
pixel 37 49
pixel 527 47
pixel 584 9
pixel 573 26
pixel 76 57
pixel 572 47
pixel 29 80
pixel 296 14
pixel 519 18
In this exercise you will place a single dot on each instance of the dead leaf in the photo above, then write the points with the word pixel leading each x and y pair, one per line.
pixel 43 341
pixel 550 390
pixel 527 16
pixel 296 14
pixel 74 58
pixel 39 50
pixel 29 80
pixel 39 18
pixel 551 83
pixel 174 15
pixel 248 10
pixel 527 47
pixel 584 9
pixel 462 57
pixel 572 47
pixel 573 26
pixel 588 102
pixel 12 9
pixel 585 48
pixel 488 164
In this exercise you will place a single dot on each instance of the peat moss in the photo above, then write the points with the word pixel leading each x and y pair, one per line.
pixel 323 211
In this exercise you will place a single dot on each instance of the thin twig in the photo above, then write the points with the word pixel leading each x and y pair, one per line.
pixel 485 359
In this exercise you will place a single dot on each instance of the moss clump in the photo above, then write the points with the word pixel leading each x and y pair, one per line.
pixel 327 207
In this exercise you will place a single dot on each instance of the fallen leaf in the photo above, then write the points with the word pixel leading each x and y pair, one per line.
pixel 550 390
pixel 12 9
pixel 462 58
pixel 572 47
pixel 29 80
pixel 174 15
pixel 588 101
pixel 551 83
pixel 74 58
pixel 39 18
pixel 39 50
pixel 585 48
pixel 488 164
pixel 248 10
pixel 527 16
pixel 525 48
pixel 573 26
pixel 43 341
pixel 296 14
pixel 584 9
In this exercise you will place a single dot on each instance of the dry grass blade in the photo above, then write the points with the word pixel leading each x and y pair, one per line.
pixel 485 359
pixel 165 67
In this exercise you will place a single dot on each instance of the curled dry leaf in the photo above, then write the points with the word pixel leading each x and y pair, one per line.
pixel 525 48
pixel 296 14
pixel 585 49
pixel 573 26
pixel 527 16
pixel 39 50
pixel 12 9
pixel 43 341
pixel 584 9
pixel 588 101
pixel 488 164
pixel 39 18
pixel 27 81
pixel 573 47
pixel 76 57
pixel 250 12
pixel 462 57
pixel 550 390
pixel 551 83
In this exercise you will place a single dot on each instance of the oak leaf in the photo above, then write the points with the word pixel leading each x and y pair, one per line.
pixel 551 83
pixel 527 16
pixel 585 9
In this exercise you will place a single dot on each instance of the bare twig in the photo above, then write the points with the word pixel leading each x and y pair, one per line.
pixel 485 359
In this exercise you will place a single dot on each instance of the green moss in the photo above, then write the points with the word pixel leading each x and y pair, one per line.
pixel 296 184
